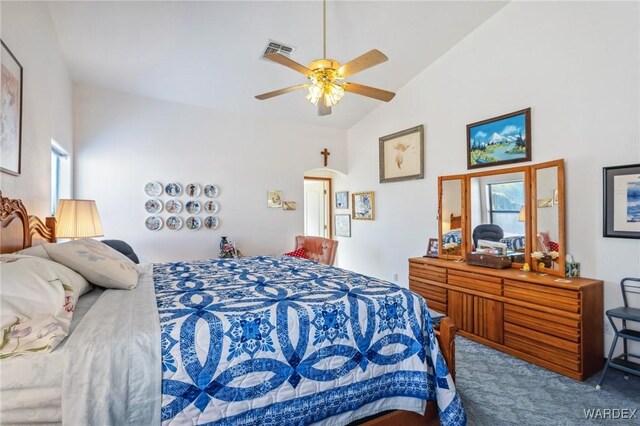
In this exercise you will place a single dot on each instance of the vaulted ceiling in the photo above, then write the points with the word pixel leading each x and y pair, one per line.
pixel 209 53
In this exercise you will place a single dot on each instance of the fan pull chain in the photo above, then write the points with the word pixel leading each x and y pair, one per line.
pixel 324 28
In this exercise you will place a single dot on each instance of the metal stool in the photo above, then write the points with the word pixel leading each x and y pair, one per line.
pixel 625 313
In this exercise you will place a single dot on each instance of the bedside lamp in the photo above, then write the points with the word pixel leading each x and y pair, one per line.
pixel 78 219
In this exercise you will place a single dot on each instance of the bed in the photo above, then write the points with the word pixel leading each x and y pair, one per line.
pixel 302 343
pixel 454 235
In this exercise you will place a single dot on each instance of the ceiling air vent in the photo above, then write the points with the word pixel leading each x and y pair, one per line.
pixel 277 47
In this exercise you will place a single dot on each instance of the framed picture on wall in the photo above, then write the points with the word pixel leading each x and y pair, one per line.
pixel 274 199
pixel 10 113
pixel 401 155
pixel 500 140
pixel 342 200
pixel 342 225
pixel 362 205
pixel 622 201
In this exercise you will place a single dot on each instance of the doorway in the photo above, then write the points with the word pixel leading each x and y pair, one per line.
pixel 317 207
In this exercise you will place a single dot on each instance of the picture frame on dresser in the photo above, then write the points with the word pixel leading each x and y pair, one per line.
pixel 11 113
pixel 621 198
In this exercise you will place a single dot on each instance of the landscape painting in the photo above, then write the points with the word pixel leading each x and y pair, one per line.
pixel 500 140
pixel 633 202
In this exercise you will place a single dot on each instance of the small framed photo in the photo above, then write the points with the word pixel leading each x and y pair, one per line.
pixel 622 201
pixel 500 140
pixel 288 205
pixel 342 225
pixel 274 199
pixel 10 113
pixel 401 155
pixel 342 200
pixel 362 205
pixel 432 248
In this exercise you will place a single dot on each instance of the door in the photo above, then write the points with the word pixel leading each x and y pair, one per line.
pixel 316 207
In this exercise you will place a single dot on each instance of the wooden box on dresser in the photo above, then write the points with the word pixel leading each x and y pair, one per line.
pixel 557 325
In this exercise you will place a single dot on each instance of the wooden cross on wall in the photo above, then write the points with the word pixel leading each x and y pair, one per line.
pixel 326 154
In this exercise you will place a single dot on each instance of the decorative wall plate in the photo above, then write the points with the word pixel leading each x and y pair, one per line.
pixel 153 206
pixel 211 191
pixel 193 207
pixel 211 207
pixel 192 190
pixel 173 206
pixel 153 189
pixel 174 223
pixel 173 189
pixel 193 223
pixel 153 223
pixel 211 222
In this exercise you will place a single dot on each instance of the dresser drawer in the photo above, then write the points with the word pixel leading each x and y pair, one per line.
pixel 556 325
pixel 436 296
pixel 557 298
pixel 477 282
pixel 428 273
pixel 541 350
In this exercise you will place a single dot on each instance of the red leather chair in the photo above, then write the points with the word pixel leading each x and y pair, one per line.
pixel 319 249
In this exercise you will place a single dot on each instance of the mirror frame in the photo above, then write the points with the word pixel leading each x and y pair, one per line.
pixel 530 210
pixel 526 170
pixel 463 218
pixel 561 261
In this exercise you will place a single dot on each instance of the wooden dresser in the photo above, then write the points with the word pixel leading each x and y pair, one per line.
pixel 556 325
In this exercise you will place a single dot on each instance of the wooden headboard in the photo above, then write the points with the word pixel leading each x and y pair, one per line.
pixel 455 221
pixel 18 230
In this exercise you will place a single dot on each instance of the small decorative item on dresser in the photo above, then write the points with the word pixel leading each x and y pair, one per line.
pixel 432 248
pixel 448 248
pixel 572 268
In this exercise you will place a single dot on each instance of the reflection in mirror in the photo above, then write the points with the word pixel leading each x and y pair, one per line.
pixel 451 214
pixel 498 214
pixel 547 239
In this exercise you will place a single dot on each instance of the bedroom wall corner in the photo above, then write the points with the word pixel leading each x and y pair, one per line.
pixel 29 32
pixel 124 141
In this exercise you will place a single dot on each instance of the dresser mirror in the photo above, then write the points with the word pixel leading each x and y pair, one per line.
pixel 498 205
pixel 520 207
pixel 451 190
pixel 547 224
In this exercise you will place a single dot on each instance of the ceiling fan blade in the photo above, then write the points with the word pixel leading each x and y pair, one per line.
pixel 361 63
pixel 283 60
pixel 281 91
pixel 371 92
pixel 323 109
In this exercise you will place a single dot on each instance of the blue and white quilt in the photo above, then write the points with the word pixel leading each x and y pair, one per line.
pixel 275 341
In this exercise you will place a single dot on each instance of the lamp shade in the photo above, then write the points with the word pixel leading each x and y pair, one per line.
pixel 78 219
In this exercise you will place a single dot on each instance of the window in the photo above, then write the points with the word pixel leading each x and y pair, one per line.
pixel 60 175
pixel 506 199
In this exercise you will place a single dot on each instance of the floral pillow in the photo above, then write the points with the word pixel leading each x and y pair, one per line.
pixel 97 262
pixel 36 304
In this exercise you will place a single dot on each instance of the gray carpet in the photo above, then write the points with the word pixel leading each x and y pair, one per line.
pixel 499 389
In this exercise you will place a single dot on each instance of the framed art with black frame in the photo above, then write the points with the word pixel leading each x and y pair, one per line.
pixel 499 140
pixel 621 199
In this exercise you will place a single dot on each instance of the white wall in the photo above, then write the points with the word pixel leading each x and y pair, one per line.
pixel 575 64
pixel 124 141
pixel 27 29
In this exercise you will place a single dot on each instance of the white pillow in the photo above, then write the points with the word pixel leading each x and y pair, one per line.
pixel 78 282
pixel 36 304
pixel 97 262
pixel 38 251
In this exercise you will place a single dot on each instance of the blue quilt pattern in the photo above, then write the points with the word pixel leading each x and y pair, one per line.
pixel 266 341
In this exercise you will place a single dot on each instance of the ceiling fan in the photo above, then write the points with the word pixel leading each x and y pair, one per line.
pixel 325 86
